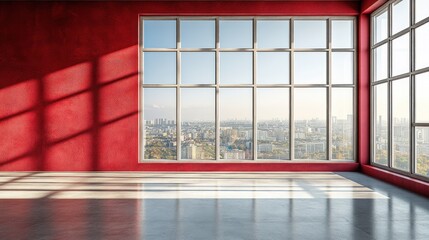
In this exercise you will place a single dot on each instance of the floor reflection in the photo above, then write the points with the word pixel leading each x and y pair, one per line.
pixel 207 206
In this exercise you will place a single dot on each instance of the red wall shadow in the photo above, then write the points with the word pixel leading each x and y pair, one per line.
pixel 68 76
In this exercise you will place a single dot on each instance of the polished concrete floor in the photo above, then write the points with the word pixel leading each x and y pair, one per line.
pixel 205 206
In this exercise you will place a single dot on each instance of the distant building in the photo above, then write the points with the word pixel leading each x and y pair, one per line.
pixel 235 154
pixel 265 147
pixel 189 152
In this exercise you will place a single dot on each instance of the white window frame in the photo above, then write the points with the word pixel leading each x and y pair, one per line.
pixel 411 74
pixel 254 86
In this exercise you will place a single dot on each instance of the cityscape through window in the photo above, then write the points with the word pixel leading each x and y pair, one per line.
pixel 400 77
pixel 250 88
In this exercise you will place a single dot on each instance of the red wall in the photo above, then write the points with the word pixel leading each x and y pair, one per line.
pixel 363 104
pixel 68 86
pixel 69 81
pixel 368 6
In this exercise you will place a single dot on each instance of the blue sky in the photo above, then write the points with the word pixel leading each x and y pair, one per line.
pixel 237 68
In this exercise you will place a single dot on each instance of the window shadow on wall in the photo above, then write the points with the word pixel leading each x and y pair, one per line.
pixel 82 117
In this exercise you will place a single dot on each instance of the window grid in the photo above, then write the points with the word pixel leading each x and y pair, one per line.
pixel 411 75
pixel 254 86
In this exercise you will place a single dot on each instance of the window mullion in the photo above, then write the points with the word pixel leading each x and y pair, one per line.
pixel 413 159
pixel 217 75
pixel 291 93
pixel 178 102
pixel 389 86
pixel 329 93
pixel 255 118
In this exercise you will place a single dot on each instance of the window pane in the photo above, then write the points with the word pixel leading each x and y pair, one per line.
pixel 342 123
pixel 380 124
pixel 236 33
pixel 342 34
pixel 422 9
pixel 159 114
pixel 310 68
pixel 380 27
pixel 310 123
pixel 273 123
pixel 198 67
pixel 422 46
pixel 342 68
pixel 198 123
pixel 401 55
pixel 401 123
pixel 400 15
pixel 273 33
pixel 235 123
pixel 310 33
pixel 422 151
pixel 236 68
pixel 197 33
pixel 159 68
pixel 159 33
pixel 422 98
pixel 380 62
pixel 273 68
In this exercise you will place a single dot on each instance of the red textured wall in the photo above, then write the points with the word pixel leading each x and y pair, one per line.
pixel 69 81
pixel 68 86
pixel 363 111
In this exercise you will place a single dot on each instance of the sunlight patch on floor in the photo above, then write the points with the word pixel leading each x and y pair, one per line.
pixel 139 185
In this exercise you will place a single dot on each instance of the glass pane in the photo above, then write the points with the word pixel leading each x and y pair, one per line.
pixel 422 9
pixel 310 68
pixel 197 33
pixel 401 55
pixel 380 124
pixel 401 123
pixel 198 123
pixel 159 33
pixel 400 15
pixel 310 123
pixel 198 67
pixel 380 62
pixel 236 68
pixel 342 123
pixel 236 33
pixel 273 33
pixel 422 46
pixel 342 68
pixel 236 132
pixel 159 114
pixel 342 34
pixel 273 68
pixel 422 98
pixel 273 123
pixel 422 151
pixel 310 33
pixel 380 27
pixel 159 68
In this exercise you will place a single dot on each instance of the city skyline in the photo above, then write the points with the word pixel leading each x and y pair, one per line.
pixel 199 106
pixel 236 140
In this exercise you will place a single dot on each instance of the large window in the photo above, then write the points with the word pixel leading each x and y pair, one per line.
pixel 248 88
pixel 400 84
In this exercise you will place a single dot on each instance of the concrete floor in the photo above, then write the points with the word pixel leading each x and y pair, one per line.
pixel 206 206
